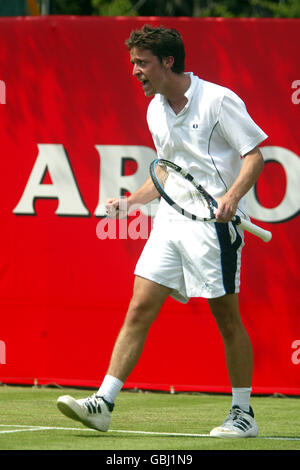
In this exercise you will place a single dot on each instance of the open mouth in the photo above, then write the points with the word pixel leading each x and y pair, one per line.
pixel 145 83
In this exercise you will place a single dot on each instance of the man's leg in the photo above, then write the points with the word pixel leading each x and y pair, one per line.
pixel 239 358
pixel 238 349
pixel 145 304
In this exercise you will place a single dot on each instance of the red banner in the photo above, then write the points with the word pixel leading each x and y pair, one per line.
pixel 73 132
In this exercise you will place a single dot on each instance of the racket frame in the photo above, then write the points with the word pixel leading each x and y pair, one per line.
pixel 212 204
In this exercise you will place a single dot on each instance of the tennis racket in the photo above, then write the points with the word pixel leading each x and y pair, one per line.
pixel 179 189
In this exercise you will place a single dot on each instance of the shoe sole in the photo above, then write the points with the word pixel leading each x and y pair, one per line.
pixel 225 435
pixel 66 409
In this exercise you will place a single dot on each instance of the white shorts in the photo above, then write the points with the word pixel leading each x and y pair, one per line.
pixel 194 259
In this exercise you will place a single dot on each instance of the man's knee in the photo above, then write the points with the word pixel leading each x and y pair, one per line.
pixel 146 302
pixel 142 312
pixel 230 328
pixel 227 315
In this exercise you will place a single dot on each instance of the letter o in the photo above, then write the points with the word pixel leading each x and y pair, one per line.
pixel 290 204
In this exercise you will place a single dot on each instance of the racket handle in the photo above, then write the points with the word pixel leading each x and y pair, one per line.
pixel 265 235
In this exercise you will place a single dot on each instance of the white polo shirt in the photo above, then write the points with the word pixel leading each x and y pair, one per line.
pixel 208 137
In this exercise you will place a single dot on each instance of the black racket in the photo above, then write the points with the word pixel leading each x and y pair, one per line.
pixel 180 189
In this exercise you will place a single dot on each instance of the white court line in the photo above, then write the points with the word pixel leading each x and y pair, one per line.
pixel 19 430
pixel 27 428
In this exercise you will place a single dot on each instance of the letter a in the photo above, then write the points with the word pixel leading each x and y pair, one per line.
pixel 52 157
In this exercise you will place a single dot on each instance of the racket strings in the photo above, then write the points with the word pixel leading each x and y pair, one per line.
pixel 183 192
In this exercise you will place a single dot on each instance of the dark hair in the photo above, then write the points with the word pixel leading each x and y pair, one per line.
pixel 161 42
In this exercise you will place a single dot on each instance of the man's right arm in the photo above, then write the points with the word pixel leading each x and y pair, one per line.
pixel 146 193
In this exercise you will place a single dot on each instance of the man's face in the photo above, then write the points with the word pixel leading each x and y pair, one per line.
pixel 148 70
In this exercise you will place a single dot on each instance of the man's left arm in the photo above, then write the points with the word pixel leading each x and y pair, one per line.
pixel 251 168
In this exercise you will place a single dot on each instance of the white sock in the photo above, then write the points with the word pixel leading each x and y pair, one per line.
pixel 110 388
pixel 241 398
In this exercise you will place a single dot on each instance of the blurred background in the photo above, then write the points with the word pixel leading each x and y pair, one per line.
pixel 73 132
pixel 194 8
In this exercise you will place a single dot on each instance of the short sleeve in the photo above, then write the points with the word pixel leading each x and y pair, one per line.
pixel 237 126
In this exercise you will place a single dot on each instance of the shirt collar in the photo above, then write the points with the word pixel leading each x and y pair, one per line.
pixel 189 92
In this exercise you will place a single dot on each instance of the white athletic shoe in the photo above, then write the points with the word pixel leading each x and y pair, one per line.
pixel 94 412
pixel 238 423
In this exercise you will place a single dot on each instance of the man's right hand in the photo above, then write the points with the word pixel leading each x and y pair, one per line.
pixel 116 208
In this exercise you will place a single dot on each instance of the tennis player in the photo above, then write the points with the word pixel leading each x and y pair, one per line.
pixel 206 129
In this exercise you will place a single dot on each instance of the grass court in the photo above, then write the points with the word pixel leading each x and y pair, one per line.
pixel 29 420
